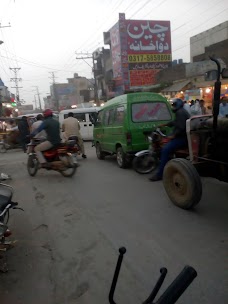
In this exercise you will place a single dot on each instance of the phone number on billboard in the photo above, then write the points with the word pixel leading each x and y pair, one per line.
pixel 149 58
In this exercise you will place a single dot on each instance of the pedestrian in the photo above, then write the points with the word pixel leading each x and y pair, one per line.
pixel 202 107
pixel 195 109
pixel 187 107
pixel 23 128
pixel 223 107
pixel 71 127
pixel 178 138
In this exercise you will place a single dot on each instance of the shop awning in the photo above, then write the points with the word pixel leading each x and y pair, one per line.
pixel 211 83
pixel 177 86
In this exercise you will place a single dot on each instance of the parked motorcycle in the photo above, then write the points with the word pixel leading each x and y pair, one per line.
pixel 60 158
pixel 6 203
pixel 146 161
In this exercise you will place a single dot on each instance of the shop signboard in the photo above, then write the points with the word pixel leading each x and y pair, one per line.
pixel 148 50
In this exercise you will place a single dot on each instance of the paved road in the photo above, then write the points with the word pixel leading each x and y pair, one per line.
pixel 69 235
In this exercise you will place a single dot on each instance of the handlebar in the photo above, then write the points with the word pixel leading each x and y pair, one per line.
pixel 158 130
pixel 171 294
pixel 178 286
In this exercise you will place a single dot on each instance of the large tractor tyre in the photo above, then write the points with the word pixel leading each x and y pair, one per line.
pixel 182 183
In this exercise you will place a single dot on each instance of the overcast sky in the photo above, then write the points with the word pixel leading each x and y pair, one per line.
pixel 45 34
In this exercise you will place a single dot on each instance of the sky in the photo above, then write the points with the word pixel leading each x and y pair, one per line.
pixel 45 35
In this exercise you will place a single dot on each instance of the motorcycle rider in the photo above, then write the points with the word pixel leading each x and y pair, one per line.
pixel 178 138
pixel 71 127
pixel 36 124
pixel 52 128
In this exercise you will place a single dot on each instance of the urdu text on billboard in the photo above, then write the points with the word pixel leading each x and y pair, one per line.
pixel 148 50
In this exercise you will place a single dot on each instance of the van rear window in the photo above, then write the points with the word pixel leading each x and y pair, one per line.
pixel 150 111
pixel 80 116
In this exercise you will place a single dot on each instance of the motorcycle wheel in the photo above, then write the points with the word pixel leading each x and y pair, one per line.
pixel 144 164
pixel 32 165
pixel 69 171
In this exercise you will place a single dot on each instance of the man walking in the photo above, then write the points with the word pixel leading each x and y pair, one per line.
pixel 71 127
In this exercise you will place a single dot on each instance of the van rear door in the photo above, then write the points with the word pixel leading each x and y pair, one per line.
pixel 144 117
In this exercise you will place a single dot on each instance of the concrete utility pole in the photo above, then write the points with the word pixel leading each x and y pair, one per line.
pixel 90 56
pixel 16 80
pixel 53 77
pixel 38 94
pixel 35 102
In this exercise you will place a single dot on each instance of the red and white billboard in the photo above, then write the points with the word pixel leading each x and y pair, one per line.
pixel 148 50
pixel 140 49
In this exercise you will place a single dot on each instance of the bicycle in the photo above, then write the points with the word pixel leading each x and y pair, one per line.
pixel 170 295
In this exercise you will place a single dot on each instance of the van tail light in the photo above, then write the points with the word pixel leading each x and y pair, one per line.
pixel 129 139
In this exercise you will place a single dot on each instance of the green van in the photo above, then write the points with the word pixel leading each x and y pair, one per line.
pixel 121 124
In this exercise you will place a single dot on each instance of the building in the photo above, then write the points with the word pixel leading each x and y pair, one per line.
pixel 196 79
pixel 213 42
pixel 103 73
pixel 139 49
pixel 64 95
pixel 7 100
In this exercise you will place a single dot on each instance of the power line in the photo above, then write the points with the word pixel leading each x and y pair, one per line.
pixel 90 56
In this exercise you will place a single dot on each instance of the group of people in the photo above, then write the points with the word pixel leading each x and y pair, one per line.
pixel 49 128
pixel 197 107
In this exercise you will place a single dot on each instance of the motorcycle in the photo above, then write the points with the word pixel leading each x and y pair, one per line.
pixel 146 161
pixel 6 203
pixel 60 158
pixel 74 148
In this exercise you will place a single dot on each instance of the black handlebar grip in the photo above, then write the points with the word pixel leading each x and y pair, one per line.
pixel 178 286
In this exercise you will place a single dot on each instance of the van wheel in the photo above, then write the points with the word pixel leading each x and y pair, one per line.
pixel 182 183
pixel 121 158
pixel 99 152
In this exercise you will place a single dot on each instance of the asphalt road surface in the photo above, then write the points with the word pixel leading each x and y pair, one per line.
pixel 71 229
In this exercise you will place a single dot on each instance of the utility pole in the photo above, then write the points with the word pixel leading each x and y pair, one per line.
pixel 90 56
pixel 35 102
pixel 38 94
pixel 53 77
pixel 15 79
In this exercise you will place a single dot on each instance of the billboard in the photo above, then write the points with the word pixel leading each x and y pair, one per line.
pixel 116 47
pixel 148 50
